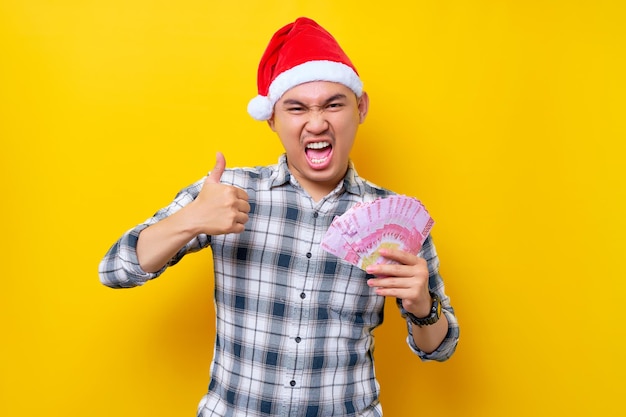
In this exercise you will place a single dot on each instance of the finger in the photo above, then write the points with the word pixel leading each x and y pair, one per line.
pixel 244 206
pixel 400 256
pixel 242 218
pixel 218 169
pixel 389 282
pixel 387 270
pixel 241 194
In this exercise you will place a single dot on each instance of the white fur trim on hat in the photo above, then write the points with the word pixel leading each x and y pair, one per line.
pixel 261 108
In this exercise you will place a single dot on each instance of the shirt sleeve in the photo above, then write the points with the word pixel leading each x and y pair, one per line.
pixel 120 267
pixel 436 285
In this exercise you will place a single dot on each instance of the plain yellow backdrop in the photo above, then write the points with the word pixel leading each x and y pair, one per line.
pixel 506 118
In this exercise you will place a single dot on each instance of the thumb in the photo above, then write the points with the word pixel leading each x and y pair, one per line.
pixel 218 169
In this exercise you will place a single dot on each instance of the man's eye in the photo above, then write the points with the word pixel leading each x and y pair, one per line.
pixel 295 109
pixel 333 106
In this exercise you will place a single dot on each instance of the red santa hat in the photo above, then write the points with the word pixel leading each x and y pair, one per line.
pixel 298 53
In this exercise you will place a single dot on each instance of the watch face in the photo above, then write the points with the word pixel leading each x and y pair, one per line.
pixel 438 308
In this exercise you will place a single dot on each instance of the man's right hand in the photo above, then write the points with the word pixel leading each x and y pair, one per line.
pixel 219 208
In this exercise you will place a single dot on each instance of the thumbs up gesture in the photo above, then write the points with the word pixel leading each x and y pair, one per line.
pixel 216 173
pixel 220 208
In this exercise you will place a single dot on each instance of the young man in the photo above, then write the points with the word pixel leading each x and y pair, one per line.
pixel 294 323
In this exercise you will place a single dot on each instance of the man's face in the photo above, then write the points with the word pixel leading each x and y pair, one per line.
pixel 317 124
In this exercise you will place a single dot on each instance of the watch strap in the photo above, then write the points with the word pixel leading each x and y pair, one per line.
pixel 432 318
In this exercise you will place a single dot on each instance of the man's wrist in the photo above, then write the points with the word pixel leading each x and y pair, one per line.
pixel 430 318
pixel 424 308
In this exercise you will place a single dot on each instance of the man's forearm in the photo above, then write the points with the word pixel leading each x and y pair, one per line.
pixel 158 243
pixel 428 338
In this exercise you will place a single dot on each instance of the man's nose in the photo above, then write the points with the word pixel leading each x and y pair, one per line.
pixel 317 121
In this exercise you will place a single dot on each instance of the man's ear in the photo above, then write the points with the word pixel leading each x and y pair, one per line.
pixel 364 105
pixel 270 123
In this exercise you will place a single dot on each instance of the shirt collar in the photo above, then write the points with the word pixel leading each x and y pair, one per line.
pixel 281 175
pixel 351 183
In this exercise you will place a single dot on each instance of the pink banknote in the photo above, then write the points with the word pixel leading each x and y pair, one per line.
pixel 394 222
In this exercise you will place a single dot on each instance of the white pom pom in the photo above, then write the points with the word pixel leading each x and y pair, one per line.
pixel 260 108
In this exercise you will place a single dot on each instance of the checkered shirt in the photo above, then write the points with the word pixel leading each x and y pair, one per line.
pixel 294 323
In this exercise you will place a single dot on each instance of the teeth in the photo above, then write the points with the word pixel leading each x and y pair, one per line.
pixel 318 161
pixel 317 145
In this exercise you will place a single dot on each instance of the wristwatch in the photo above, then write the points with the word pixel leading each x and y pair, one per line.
pixel 432 318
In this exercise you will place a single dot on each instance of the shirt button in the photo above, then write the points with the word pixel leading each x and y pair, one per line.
pixel 302 295
pixel 315 214
pixel 292 383
pixel 309 254
pixel 298 339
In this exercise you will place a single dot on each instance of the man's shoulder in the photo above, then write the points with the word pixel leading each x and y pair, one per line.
pixel 248 176
pixel 261 171
pixel 374 190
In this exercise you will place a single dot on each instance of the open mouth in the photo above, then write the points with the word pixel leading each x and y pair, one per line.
pixel 318 153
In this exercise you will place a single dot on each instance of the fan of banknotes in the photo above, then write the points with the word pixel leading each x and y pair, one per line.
pixel 394 222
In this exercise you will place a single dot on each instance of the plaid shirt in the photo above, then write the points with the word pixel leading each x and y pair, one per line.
pixel 294 323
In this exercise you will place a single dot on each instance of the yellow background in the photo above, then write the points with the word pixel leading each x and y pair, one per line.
pixel 506 118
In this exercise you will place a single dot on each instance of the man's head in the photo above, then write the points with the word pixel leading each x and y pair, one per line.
pixel 312 97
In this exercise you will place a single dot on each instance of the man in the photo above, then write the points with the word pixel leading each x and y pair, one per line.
pixel 294 323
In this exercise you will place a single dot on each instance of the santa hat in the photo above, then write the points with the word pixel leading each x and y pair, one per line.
pixel 298 53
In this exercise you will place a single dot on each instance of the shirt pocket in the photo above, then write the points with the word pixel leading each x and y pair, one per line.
pixel 352 299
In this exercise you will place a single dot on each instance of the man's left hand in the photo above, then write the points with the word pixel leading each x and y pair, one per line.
pixel 407 280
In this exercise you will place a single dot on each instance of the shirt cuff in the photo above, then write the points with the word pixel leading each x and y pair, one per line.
pixel 447 347
pixel 124 269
